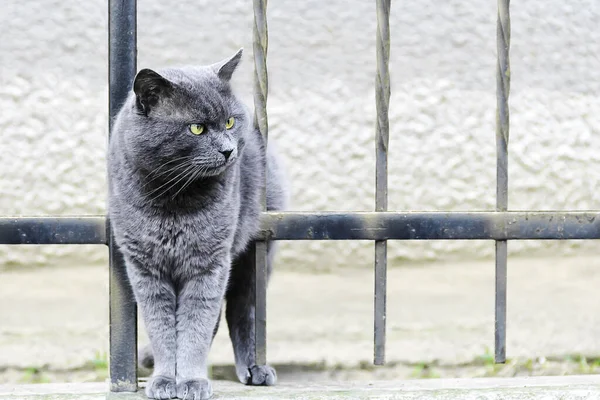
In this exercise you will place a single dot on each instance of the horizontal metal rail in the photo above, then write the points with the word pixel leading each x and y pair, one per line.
pixel 53 230
pixel 387 225
pixel 507 225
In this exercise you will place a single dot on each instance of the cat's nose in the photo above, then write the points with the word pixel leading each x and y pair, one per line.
pixel 226 153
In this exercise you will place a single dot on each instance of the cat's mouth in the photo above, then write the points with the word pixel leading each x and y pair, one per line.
pixel 217 168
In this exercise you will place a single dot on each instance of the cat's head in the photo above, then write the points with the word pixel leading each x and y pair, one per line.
pixel 186 119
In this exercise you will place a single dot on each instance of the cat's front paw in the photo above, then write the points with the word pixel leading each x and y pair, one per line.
pixel 161 387
pixel 194 389
pixel 258 375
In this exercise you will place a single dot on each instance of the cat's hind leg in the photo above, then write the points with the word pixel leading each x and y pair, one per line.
pixel 145 357
pixel 240 319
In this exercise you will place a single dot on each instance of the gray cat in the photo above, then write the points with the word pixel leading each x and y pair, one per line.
pixel 186 169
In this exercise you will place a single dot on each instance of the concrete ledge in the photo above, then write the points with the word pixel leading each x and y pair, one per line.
pixel 563 387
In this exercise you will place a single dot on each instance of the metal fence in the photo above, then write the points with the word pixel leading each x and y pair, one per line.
pixel 382 225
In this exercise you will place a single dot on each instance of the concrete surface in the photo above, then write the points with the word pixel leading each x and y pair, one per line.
pixel 565 388
pixel 53 98
pixel 56 319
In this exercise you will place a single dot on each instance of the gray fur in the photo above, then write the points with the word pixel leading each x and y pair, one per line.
pixel 184 213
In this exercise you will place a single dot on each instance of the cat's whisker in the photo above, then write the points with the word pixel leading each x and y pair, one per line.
pixel 170 172
pixel 167 163
pixel 165 174
pixel 192 178
pixel 185 174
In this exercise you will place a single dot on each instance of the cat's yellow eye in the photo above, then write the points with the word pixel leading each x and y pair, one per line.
pixel 229 123
pixel 197 129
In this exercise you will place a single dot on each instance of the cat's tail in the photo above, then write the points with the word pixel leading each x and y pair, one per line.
pixel 145 357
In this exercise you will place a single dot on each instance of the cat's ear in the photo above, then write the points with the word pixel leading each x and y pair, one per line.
pixel 148 86
pixel 225 68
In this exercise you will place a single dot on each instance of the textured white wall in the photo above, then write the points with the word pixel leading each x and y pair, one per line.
pixel 53 100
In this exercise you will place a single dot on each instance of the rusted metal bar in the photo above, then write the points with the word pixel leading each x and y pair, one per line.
pixel 382 100
pixel 260 35
pixel 122 38
pixel 502 135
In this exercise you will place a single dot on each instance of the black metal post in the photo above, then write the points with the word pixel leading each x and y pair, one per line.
pixel 123 311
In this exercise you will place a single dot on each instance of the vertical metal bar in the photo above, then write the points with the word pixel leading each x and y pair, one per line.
pixel 502 134
pixel 260 37
pixel 123 312
pixel 382 98
pixel 500 320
